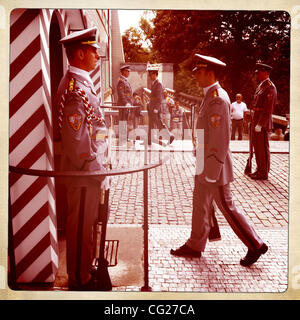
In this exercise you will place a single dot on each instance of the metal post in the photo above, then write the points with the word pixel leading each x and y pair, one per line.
pixel 146 286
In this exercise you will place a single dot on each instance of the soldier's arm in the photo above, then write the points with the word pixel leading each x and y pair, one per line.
pixel 160 91
pixel 75 135
pixel 268 103
pixel 121 92
pixel 219 138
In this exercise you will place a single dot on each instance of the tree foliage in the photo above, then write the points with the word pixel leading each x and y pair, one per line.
pixel 133 46
pixel 239 38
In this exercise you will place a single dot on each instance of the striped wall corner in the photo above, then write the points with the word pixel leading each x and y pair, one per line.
pixel 30 146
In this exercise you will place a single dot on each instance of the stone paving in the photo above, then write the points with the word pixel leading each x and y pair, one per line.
pixel 171 191
pixel 265 204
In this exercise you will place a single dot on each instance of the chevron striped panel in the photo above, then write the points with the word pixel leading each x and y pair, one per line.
pixel 32 198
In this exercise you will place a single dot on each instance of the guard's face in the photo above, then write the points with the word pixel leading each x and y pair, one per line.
pixel 201 75
pixel 261 75
pixel 152 76
pixel 91 58
pixel 126 73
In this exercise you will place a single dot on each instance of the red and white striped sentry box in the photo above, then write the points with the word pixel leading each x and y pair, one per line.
pixel 30 146
pixel 36 66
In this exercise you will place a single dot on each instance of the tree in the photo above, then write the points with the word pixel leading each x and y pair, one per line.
pixel 133 46
pixel 239 38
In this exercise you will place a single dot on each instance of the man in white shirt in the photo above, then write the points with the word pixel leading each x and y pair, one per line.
pixel 237 110
pixel 166 104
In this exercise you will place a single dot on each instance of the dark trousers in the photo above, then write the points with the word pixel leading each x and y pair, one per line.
pixel 123 113
pixel 262 151
pixel 237 125
pixel 155 122
pixel 202 202
pixel 83 204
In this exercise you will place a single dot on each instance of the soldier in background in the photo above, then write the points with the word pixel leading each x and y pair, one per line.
pixel 212 181
pixel 154 106
pixel 264 101
pixel 124 92
pixel 84 148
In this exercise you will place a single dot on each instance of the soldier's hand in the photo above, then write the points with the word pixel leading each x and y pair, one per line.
pixel 105 184
pixel 257 128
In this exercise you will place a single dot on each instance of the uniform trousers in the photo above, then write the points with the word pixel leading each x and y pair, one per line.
pixel 83 206
pixel 202 202
pixel 155 122
pixel 262 151
pixel 237 125
pixel 166 117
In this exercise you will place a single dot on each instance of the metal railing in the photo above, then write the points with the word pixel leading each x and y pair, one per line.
pixel 91 174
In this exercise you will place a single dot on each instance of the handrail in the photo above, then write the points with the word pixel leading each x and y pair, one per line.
pixel 76 174
pixel 119 107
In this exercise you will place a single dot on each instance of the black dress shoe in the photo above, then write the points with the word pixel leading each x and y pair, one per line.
pixel 259 177
pixel 252 256
pixel 172 138
pixel 252 174
pixel 185 251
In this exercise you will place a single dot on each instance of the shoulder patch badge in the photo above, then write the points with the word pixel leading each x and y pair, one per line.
pixel 215 93
pixel 215 120
pixel 75 121
pixel 72 84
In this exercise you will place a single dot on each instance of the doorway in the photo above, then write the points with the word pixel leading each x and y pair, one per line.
pixel 56 73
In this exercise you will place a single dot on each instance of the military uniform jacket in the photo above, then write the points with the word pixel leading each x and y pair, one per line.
pixel 124 92
pixel 84 147
pixel 214 119
pixel 264 101
pixel 156 96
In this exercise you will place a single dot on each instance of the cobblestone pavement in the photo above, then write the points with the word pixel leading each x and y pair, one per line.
pixel 171 191
pixel 265 204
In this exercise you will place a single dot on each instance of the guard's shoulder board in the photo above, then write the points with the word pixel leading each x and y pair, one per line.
pixel 72 84
pixel 270 83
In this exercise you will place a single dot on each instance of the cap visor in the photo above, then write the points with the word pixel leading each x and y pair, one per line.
pixel 95 45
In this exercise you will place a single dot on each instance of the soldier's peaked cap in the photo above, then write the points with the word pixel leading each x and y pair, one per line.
pixel 207 61
pixel 83 37
pixel 262 67
pixel 124 67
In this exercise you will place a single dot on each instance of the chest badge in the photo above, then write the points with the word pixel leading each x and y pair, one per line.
pixel 215 120
pixel 75 121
